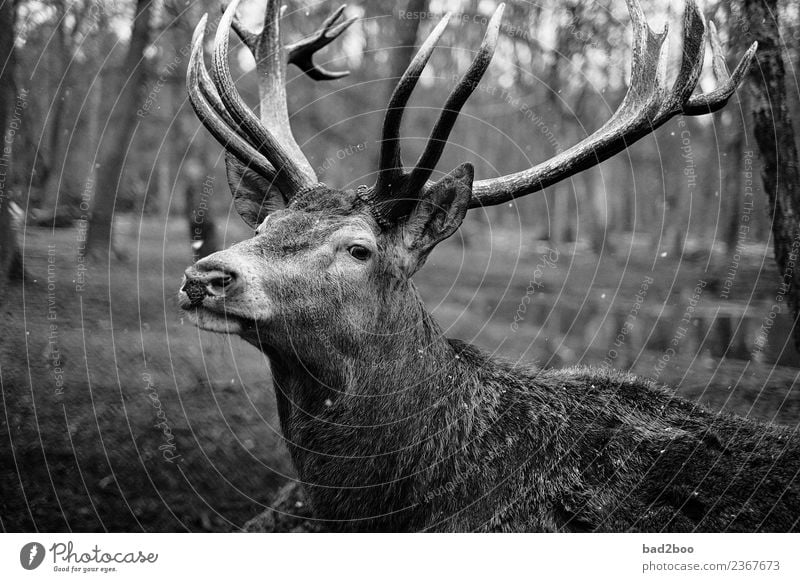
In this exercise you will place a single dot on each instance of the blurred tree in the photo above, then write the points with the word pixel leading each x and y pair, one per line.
pixel 74 22
pixel 117 136
pixel 730 130
pixel 405 36
pixel 10 263
pixel 199 216
pixel 399 35
pixel 570 100
pixel 775 137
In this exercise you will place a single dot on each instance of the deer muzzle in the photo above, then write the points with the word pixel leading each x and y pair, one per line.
pixel 199 283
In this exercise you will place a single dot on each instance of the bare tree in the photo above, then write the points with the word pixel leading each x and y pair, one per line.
pixel 117 136
pixel 199 217
pixel 73 23
pixel 775 137
pixel 400 34
pixel 10 264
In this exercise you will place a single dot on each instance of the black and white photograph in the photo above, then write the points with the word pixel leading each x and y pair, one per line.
pixel 281 267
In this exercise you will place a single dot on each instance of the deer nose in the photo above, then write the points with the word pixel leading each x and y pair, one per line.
pixel 199 283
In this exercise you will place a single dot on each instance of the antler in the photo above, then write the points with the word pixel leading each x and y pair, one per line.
pixel 646 105
pixel 212 113
pixel 265 145
pixel 301 53
pixel 395 190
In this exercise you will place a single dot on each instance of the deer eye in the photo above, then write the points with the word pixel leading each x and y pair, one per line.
pixel 359 253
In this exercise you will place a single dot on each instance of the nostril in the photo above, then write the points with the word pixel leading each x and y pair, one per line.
pixel 220 283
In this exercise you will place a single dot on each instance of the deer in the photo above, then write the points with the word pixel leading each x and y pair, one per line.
pixel 390 425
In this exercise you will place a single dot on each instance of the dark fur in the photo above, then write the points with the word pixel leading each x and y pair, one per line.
pixel 472 444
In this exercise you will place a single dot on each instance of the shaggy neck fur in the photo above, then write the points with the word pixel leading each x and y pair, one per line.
pixel 361 413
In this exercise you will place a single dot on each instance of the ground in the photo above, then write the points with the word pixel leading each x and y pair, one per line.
pixel 119 415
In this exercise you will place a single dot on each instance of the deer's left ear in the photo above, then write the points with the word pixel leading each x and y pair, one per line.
pixel 438 214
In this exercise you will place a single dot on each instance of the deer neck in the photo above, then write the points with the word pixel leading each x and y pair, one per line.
pixel 369 405
pixel 404 350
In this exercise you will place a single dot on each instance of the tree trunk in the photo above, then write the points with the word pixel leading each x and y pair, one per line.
pixel 202 228
pixel 163 185
pixel 400 33
pixel 406 31
pixel 560 220
pixel 597 227
pixel 116 139
pixel 10 261
pixel 730 186
pixel 732 134
pixel 775 137
pixel 165 173
pixel 57 153
pixel 93 132
pixel 58 135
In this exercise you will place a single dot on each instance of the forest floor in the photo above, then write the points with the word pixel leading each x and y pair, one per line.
pixel 119 415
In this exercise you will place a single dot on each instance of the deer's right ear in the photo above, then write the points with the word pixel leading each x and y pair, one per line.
pixel 253 196
pixel 438 215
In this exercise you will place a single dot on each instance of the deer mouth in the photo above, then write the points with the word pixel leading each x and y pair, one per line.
pixel 212 302
pixel 204 295
pixel 204 316
pixel 208 320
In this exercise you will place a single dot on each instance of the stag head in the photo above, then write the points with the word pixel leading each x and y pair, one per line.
pixel 329 270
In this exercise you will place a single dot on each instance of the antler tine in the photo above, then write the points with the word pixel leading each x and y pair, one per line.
pixel 646 89
pixel 646 107
pixel 294 171
pixel 447 119
pixel 718 98
pixel 391 165
pixel 207 87
pixel 694 46
pixel 213 116
pixel 302 52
